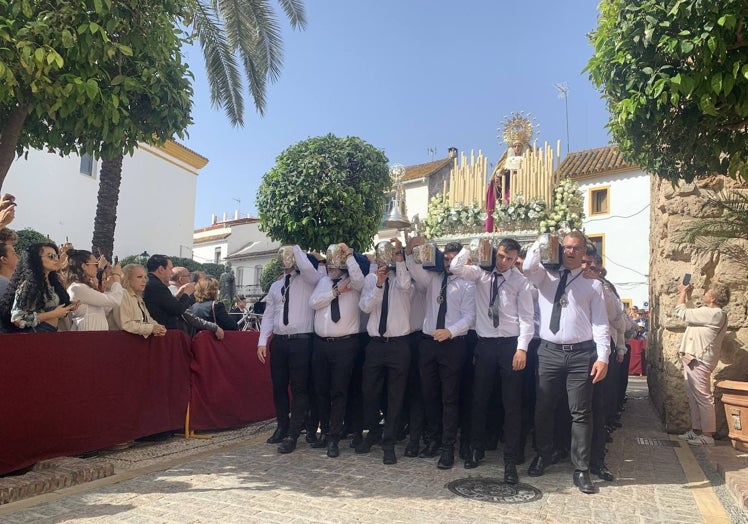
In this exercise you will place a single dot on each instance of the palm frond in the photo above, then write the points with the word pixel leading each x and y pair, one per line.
pixel 295 12
pixel 223 73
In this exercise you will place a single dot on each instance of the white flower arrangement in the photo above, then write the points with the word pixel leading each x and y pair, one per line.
pixel 445 219
pixel 518 214
pixel 568 209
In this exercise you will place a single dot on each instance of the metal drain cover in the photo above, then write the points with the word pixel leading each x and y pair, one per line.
pixel 494 490
pixel 647 441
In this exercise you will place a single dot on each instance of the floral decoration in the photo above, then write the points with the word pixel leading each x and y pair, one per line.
pixel 568 209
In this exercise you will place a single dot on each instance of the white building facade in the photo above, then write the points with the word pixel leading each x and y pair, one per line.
pixel 57 197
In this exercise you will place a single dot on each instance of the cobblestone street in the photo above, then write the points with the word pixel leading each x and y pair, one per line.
pixel 246 480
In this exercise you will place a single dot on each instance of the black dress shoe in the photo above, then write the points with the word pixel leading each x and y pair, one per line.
pixel 310 438
pixel 431 450
pixel 332 449
pixel 372 438
pixel 287 446
pixel 602 471
pixel 447 458
pixel 389 457
pixel 510 473
pixel 356 440
pixel 537 466
pixel 474 458
pixel 558 455
pixel 321 443
pixel 583 482
pixel 278 436
pixel 411 450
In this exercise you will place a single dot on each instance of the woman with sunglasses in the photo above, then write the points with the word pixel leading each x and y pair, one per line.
pixel 36 300
pixel 82 281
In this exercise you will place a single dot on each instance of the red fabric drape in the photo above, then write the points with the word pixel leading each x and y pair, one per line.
pixel 638 364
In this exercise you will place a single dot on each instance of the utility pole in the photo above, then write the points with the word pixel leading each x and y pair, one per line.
pixel 563 92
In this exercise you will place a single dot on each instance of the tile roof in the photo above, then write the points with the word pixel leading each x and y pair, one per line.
pixel 210 238
pixel 427 169
pixel 591 162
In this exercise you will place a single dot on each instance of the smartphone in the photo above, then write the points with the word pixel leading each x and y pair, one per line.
pixel 116 260
pixel 686 279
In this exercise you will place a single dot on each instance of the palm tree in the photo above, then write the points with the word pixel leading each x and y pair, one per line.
pixel 234 36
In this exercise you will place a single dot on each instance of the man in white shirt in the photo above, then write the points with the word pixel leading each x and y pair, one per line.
pixel 504 324
pixel 450 312
pixel 573 353
pixel 289 319
pixel 336 325
pixel 386 300
pixel 179 282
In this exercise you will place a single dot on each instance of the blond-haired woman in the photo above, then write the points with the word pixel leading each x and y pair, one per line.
pixel 132 315
pixel 209 308
pixel 699 351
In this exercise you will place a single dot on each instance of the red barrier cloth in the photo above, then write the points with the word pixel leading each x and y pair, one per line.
pixel 230 386
pixel 63 394
pixel 638 364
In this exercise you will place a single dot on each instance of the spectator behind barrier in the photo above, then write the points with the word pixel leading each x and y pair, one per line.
pixel 209 308
pixel 82 283
pixel 132 315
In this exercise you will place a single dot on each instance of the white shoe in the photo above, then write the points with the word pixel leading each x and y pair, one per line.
pixel 701 440
pixel 688 435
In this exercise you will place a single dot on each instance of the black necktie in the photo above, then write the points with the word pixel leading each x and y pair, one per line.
pixel 385 308
pixel 335 305
pixel 495 298
pixel 442 315
pixel 556 313
pixel 286 296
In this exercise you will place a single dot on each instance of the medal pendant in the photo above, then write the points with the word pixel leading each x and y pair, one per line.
pixel 490 312
pixel 563 301
pixel 439 299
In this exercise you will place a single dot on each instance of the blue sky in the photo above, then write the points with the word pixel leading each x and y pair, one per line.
pixel 406 76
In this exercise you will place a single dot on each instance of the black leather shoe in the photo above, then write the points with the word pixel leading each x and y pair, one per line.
pixel 447 458
pixel 389 457
pixel 510 473
pixel 559 455
pixel 431 450
pixel 473 460
pixel 602 471
pixel 372 438
pixel 332 449
pixel 583 482
pixel 356 440
pixel 287 446
pixel 278 436
pixel 310 438
pixel 537 466
pixel 411 450
pixel 321 442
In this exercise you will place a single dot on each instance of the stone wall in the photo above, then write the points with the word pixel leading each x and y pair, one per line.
pixel 669 261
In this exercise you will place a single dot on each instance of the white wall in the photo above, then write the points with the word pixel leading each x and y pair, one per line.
pixel 626 231
pixel 156 204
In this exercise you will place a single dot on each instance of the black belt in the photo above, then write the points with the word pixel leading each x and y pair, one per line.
pixel 293 336
pixel 334 339
pixel 579 346
pixel 431 337
pixel 388 339
pixel 496 338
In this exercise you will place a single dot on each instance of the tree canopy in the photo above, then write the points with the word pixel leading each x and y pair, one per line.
pixel 325 190
pixel 95 76
pixel 675 77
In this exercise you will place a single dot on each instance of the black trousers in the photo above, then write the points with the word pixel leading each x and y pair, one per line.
pixel 289 365
pixel 441 369
pixel 529 390
pixel 466 389
pixel 332 363
pixel 559 370
pixel 493 360
pixel 354 408
pixel 386 363
pixel 414 394
pixel 624 377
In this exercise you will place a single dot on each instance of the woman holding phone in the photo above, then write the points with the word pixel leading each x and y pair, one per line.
pixel 82 287
pixel 699 351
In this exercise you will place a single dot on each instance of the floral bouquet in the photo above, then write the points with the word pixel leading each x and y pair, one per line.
pixel 568 209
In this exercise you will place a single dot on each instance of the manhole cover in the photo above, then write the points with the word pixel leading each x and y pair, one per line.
pixel 494 490
pixel 646 441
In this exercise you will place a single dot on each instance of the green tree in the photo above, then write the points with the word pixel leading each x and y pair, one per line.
pixel 270 274
pixel 675 77
pixel 323 191
pixel 93 75
pixel 29 236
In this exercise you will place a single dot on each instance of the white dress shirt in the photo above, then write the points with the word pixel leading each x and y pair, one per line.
pixel 514 296
pixel 583 318
pixel 300 314
pixel 398 308
pixel 460 299
pixel 350 314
